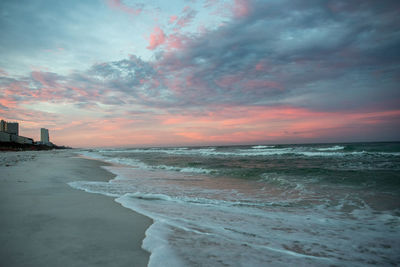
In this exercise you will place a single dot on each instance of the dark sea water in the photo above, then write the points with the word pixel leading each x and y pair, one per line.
pixel 262 205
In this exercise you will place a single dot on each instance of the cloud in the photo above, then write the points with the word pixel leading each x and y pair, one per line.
pixel 119 5
pixel 318 58
pixel 3 73
pixel 188 14
pixel 157 38
pixel 241 8
pixel 112 83
pixel 273 70
pixel 303 45
pixel 172 19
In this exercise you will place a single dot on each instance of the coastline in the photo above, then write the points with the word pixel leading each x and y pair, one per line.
pixel 45 222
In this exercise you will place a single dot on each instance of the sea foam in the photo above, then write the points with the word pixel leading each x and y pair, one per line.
pixel 301 209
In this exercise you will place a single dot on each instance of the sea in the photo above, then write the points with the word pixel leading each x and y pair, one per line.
pixel 261 205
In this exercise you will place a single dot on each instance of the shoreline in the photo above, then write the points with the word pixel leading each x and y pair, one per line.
pixel 46 222
pixel 13 146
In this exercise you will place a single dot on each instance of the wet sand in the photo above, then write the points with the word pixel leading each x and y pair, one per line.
pixel 45 222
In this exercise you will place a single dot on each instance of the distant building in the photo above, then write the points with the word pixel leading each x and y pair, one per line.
pixel 44 136
pixel 5 137
pixel 9 132
pixel 2 126
pixel 9 127
pixel 24 140
pixel 12 128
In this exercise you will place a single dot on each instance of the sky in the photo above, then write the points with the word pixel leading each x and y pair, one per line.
pixel 101 73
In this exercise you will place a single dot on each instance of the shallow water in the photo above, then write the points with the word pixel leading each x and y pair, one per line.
pixel 333 204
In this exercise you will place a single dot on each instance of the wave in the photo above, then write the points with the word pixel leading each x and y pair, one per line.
pixel 184 169
pixel 149 196
pixel 226 232
pixel 388 153
pixel 278 223
pixel 261 147
pixel 217 203
pixel 94 187
pixel 255 151
pixel 329 154
pixel 293 151
pixel 276 179
pixel 333 148
pixel 180 150
pixel 317 150
pixel 131 162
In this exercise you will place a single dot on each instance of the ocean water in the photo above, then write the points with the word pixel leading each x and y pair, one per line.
pixel 262 205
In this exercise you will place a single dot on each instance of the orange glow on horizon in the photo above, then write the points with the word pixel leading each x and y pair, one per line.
pixel 231 125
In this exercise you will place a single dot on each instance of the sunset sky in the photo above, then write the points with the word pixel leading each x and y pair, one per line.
pixel 193 72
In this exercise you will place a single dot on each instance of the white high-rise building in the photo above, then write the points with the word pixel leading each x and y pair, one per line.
pixel 44 136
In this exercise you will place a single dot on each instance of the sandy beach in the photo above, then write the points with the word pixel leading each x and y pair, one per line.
pixel 45 222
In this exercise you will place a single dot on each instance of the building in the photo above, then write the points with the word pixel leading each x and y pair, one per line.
pixel 44 136
pixel 2 126
pixel 5 137
pixel 9 127
pixel 24 140
pixel 9 132
pixel 12 128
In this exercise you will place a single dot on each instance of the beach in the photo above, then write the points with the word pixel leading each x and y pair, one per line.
pixel 253 205
pixel 46 222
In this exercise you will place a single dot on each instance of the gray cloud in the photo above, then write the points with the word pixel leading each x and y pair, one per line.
pixel 303 47
pixel 324 55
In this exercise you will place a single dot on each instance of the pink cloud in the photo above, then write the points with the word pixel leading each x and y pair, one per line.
pixel 173 120
pixel 172 19
pixel 210 3
pixel 262 84
pixel 241 8
pixel 119 5
pixel 57 50
pixel 192 135
pixel 186 18
pixel 49 87
pixel 7 103
pixel 3 73
pixel 238 81
pixel 175 41
pixel 44 79
pixel 228 80
pixel 81 92
pixel 157 38
pixel 241 124
pixel 259 66
pixel 222 125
